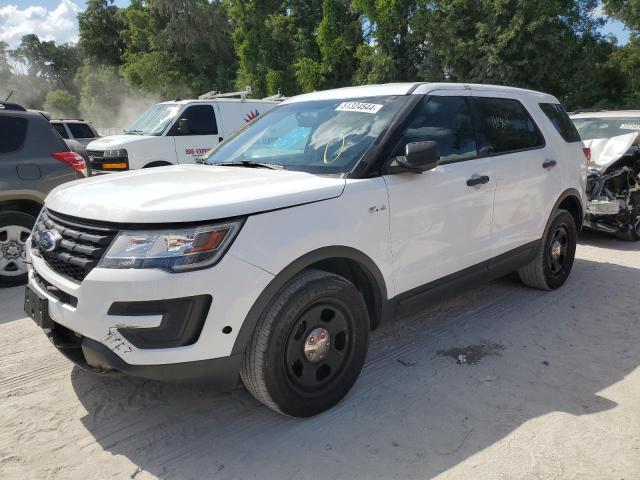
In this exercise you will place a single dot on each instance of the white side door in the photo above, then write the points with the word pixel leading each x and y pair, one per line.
pixel 527 179
pixel 441 219
pixel 195 132
pixel 235 114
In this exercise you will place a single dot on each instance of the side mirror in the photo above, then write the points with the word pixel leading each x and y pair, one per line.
pixel 419 157
pixel 183 126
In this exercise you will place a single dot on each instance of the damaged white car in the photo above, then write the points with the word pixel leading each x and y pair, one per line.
pixel 613 182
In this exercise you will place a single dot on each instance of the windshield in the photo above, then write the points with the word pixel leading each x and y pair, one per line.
pixel 592 128
pixel 154 121
pixel 325 136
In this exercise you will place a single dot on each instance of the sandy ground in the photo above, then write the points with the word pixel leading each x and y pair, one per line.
pixel 553 393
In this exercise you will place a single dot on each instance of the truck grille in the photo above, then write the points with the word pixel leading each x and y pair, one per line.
pixel 97 161
pixel 78 249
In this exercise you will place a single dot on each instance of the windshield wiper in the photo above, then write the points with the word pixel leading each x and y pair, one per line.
pixel 251 164
pixel 135 132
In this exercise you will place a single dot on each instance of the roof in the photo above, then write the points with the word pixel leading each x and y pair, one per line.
pixel 217 100
pixel 609 114
pixel 12 106
pixel 417 88
pixel 69 120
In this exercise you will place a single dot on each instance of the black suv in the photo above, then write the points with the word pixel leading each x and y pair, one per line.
pixel 33 160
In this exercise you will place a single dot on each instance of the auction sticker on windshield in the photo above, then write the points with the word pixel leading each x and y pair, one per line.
pixel 630 126
pixel 358 107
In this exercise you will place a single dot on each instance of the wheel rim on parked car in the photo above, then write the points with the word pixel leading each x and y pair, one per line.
pixel 559 250
pixel 13 250
pixel 319 346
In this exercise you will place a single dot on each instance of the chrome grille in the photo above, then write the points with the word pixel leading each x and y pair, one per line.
pixel 80 248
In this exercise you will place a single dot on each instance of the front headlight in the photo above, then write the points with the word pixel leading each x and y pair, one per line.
pixel 120 153
pixel 172 250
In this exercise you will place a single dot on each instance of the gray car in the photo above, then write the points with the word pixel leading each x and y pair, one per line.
pixel 34 159
pixel 76 129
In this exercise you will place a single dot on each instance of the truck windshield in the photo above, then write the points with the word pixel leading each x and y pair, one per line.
pixel 154 121
pixel 323 136
pixel 592 128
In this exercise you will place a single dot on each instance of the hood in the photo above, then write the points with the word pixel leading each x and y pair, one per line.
pixel 118 141
pixel 189 193
pixel 606 151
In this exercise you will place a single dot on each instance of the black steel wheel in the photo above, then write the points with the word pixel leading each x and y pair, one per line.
pixel 319 346
pixel 552 265
pixel 309 346
pixel 558 253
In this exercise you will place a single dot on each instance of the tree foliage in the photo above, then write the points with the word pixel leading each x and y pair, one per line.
pixel 169 48
pixel 626 10
pixel 61 104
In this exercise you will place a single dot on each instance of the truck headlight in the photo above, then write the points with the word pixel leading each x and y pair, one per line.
pixel 172 250
pixel 120 153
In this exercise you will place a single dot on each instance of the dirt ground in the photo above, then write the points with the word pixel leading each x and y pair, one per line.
pixel 502 382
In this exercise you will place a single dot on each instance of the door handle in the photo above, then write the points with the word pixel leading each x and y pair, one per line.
pixel 473 181
pixel 549 164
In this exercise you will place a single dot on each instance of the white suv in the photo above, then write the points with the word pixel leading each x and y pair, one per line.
pixel 334 212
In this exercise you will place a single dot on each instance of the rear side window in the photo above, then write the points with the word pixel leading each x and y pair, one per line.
pixel 201 120
pixel 447 121
pixel 13 131
pixel 61 130
pixel 80 130
pixel 504 126
pixel 558 116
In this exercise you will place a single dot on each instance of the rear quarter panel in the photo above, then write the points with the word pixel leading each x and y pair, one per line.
pixel 31 172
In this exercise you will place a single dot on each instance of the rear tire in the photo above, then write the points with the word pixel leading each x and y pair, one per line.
pixel 553 262
pixel 15 227
pixel 309 346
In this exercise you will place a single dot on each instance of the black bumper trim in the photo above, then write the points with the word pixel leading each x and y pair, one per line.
pixel 90 355
pixel 182 321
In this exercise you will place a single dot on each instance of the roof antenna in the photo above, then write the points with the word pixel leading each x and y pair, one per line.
pixel 8 96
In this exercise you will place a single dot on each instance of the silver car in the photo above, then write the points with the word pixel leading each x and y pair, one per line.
pixel 76 129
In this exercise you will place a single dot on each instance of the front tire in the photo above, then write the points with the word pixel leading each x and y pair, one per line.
pixel 309 345
pixel 554 260
pixel 15 228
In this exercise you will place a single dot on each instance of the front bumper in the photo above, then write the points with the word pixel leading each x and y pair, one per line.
pixel 86 311
pixel 95 357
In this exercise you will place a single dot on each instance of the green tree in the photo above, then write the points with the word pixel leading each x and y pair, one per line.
pixel 252 40
pixel 197 34
pixel 101 92
pixel 627 60
pixel 5 67
pixel 626 10
pixel 33 54
pixel 276 44
pixel 338 36
pixel 140 27
pixel 387 54
pixel 100 27
pixel 62 104
pixel 155 72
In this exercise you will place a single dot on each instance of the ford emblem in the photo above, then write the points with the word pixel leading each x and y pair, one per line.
pixel 48 241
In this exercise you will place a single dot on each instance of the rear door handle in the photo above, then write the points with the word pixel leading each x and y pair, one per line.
pixel 549 164
pixel 473 181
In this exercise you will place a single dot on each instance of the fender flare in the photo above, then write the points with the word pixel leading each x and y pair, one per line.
pixel 570 192
pixel 295 267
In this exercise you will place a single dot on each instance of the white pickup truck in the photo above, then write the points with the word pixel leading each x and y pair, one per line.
pixel 172 133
